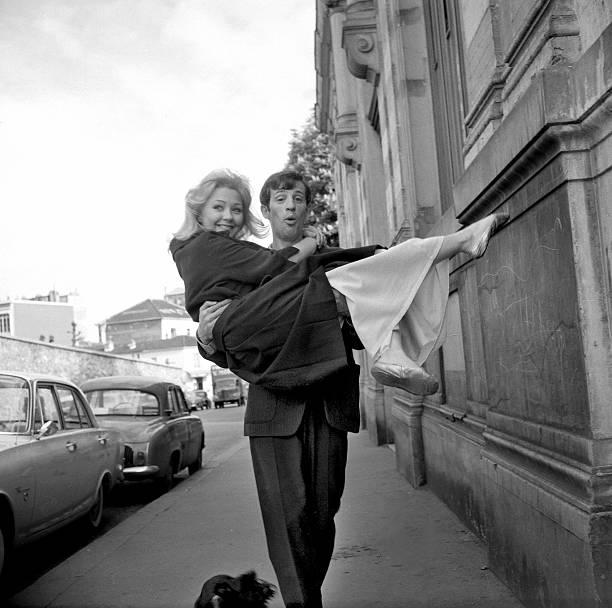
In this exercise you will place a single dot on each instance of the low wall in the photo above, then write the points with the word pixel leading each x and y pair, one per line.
pixel 78 365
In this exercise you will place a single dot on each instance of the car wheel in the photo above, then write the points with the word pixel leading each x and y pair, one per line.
pixel 164 483
pixel 93 519
pixel 3 550
pixel 197 464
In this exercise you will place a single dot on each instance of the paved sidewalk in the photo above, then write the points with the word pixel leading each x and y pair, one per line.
pixel 397 547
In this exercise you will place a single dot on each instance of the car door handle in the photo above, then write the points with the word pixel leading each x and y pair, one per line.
pixel 71 446
pixel 102 439
pixel 25 492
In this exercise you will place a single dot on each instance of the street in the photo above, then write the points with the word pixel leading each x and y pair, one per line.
pixel 223 428
pixel 395 546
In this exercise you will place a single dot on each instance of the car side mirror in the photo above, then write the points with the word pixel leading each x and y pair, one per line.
pixel 48 428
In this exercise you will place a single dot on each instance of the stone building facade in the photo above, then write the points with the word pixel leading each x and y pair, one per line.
pixel 148 320
pixel 442 111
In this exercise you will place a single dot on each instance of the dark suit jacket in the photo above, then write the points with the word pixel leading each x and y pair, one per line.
pixel 281 330
pixel 277 414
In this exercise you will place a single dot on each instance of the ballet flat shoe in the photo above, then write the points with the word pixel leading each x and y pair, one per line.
pixel 480 245
pixel 415 380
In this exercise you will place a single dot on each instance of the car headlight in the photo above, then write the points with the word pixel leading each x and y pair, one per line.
pixel 135 455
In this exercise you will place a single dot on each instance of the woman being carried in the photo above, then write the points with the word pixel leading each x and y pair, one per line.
pixel 281 329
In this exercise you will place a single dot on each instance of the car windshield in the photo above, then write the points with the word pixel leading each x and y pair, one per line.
pixel 123 402
pixel 14 399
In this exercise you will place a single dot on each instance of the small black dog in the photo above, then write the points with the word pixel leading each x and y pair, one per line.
pixel 244 591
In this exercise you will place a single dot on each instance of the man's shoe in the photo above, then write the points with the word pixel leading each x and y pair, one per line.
pixel 415 380
pixel 490 225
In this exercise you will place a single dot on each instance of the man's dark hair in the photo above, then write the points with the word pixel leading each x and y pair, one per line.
pixel 283 180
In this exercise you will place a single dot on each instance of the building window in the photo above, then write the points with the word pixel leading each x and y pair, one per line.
pixel 5 323
pixel 172 332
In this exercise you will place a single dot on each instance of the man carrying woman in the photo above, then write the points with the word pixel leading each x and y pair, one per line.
pixel 282 332
pixel 298 438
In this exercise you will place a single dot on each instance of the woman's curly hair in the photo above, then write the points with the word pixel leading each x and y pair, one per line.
pixel 196 198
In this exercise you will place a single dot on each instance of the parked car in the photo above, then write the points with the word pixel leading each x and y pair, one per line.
pixel 160 434
pixel 57 464
pixel 200 399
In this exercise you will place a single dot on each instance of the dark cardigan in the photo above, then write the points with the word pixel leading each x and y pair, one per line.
pixel 281 330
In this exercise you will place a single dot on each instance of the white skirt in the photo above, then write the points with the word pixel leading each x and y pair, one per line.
pixel 398 288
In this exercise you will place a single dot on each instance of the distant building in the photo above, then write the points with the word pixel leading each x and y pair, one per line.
pixel 52 296
pixel 147 321
pixel 176 296
pixel 180 351
pixel 44 320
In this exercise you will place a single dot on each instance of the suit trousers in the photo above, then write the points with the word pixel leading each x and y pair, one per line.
pixel 300 480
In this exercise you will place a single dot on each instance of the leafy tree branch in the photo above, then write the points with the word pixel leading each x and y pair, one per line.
pixel 311 153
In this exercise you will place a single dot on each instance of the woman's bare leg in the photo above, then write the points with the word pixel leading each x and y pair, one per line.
pixel 452 244
pixel 394 367
pixel 472 239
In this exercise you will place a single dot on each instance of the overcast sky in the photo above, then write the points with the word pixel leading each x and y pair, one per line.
pixel 110 110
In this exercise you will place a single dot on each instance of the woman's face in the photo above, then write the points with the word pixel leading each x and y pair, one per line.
pixel 222 212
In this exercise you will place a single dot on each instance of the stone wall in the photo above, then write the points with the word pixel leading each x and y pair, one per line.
pixel 518 441
pixel 532 437
pixel 75 364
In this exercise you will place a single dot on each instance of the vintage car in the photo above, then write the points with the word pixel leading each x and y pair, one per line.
pixel 200 399
pixel 160 433
pixel 56 464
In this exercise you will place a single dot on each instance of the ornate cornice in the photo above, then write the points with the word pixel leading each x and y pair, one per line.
pixel 346 138
pixel 360 41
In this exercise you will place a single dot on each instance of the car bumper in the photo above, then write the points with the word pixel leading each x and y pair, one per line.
pixel 132 473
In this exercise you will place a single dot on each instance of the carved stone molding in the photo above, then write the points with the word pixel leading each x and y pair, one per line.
pixel 347 148
pixel 334 4
pixel 359 40
pixel 346 138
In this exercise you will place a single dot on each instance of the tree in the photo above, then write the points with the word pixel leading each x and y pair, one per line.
pixel 310 153
pixel 77 336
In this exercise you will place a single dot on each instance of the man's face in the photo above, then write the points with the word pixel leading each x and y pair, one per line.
pixel 287 213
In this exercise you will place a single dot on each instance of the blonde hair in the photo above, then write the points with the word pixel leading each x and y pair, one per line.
pixel 197 197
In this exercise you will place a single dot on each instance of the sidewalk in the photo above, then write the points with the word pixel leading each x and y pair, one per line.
pixel 396 546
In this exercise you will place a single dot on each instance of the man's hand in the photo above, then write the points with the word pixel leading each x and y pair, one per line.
pixel 317 234
pixel 207 317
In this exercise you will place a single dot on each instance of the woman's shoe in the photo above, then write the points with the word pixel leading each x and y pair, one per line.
pixel 490 225
pixel 415 380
